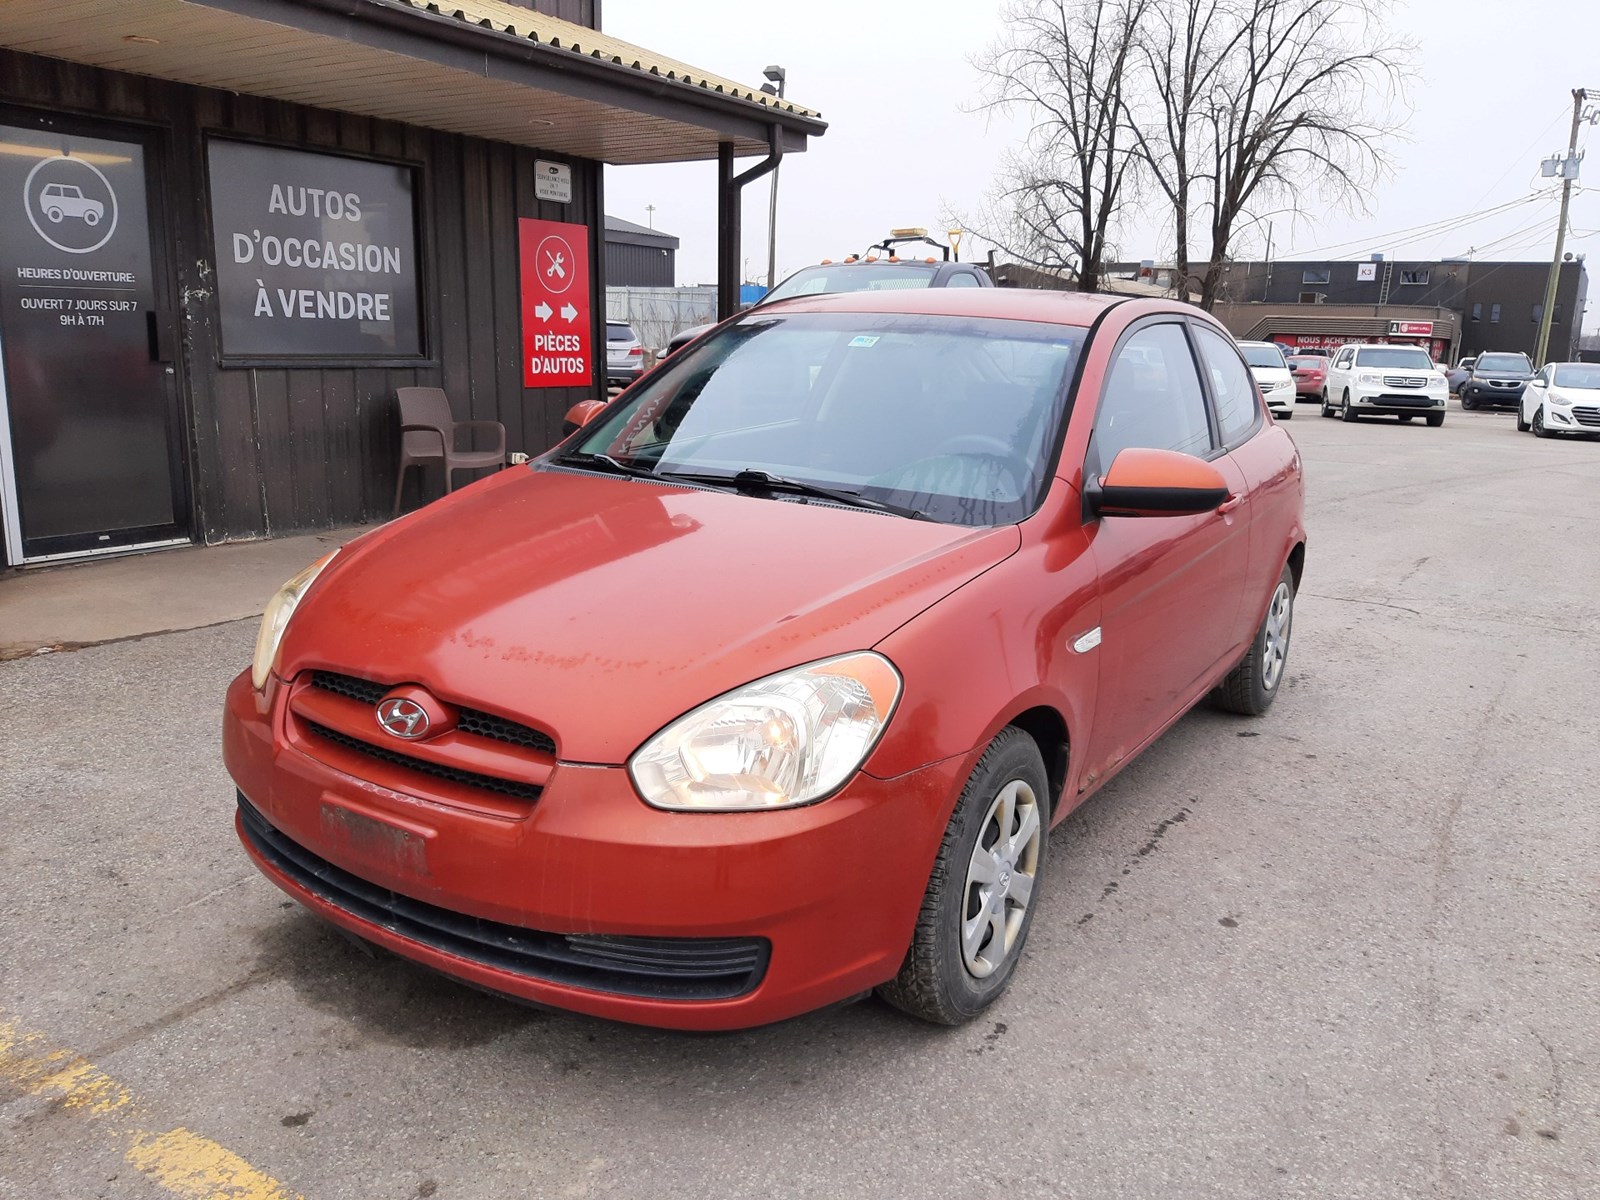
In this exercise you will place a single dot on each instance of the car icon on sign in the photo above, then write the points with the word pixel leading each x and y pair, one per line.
pixel 62 200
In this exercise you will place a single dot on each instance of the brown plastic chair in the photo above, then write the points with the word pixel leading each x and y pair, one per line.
pixel 428 434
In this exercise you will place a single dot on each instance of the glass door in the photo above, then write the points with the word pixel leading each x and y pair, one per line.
pixel 90 432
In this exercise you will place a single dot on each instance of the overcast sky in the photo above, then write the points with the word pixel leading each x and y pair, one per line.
pixel 1490 95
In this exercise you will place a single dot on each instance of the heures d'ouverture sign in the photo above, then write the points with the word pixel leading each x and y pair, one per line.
pixel 316 254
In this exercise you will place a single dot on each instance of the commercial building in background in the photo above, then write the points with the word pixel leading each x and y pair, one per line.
pixel 230 229
pixel 1474 306
pixel 638 256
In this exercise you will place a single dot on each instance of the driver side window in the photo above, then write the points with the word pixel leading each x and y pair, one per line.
pixel 1152 398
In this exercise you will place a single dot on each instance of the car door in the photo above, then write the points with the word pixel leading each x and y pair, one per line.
pixel 1339 375
pixel 1171 586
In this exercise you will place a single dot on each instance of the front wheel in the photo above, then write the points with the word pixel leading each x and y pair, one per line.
pixel 1251 687
pixel 1522 422
pixel 1539 430
pixel 1405 418
pixel 1283 416
pixel 983 890
pixel 1345 411
pixel 1327 409
pixel 1468 404
pixel 1435 420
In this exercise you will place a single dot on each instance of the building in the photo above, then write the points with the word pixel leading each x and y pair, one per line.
pixel 232 228
pixel 637 256
pixel 1475 306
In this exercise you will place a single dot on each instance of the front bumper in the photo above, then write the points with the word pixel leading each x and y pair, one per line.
pixel 828 893
pixel 1481 393
pixel 1397 404
pixel 1568 418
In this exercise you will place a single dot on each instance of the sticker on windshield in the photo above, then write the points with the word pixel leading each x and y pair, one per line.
pixel 864 340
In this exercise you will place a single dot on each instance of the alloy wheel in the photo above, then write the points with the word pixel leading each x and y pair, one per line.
pixel 1275 647
pixel 1000 878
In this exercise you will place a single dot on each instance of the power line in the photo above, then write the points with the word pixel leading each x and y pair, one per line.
pixel 1426 229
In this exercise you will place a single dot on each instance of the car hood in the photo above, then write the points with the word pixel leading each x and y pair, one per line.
pixel 1272 374
pixel 601 608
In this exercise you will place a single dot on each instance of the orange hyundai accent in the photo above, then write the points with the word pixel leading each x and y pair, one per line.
pixel 764 689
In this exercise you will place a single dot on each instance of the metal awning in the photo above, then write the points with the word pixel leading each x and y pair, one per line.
pixel 484 68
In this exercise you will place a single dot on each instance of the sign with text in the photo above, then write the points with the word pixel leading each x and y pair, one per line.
pixel 552 181
pixel 316 254
pixel 1366 272
pixel 1423 328
pixel 557 334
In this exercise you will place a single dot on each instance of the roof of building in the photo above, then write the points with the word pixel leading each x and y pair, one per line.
pixel 485 68
pixel 620 230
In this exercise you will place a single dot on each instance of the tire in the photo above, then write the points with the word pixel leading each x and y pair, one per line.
pixel 1252 686
pixel 1522 426
pixel 55 215
pixel 1539 431
pixel 91 218
pixel 1405 418
pixel 1346 413
pixel 936 982
pixel 1469 405
pixel 1435 420
pixel 1284 416
pixel 1327 409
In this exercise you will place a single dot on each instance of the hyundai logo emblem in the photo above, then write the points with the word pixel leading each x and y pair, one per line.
pixel 403 718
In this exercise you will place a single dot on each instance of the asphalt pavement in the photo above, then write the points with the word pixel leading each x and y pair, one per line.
pixel 1350 949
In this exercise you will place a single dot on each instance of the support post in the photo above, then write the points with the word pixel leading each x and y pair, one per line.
pixel 729 216
pixel 1568 163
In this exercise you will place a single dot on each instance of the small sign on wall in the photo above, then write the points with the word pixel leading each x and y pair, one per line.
pixel 1366 272
pixel 552 181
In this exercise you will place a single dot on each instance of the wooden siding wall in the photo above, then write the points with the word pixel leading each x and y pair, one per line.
pixel 278 449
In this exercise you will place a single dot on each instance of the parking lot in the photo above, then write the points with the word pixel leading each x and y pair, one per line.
pixel 1351 949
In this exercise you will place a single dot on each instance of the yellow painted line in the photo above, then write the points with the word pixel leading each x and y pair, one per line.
pixel 183 1162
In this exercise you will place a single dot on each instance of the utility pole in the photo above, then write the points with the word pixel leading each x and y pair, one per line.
pixel 1567 168
pixel 650 214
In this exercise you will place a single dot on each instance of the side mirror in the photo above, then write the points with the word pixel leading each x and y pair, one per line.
pixel 1537 383
pixel 1157 483
pixel 582 413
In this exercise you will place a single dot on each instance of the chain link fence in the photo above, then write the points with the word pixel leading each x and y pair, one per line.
pixel 658 313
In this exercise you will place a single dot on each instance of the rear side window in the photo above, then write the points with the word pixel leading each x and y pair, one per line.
pixel 1152 398
pixel 1234 389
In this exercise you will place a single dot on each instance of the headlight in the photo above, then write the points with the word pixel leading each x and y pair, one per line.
pixel 788 739
pixel 276 619
pixel 1371 380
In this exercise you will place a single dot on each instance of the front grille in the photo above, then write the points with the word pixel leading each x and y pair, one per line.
pixel 1587 416
pixel 1400 381
pixel 489 783
pixel 652 967
pixel 470 720
pixel 1505 383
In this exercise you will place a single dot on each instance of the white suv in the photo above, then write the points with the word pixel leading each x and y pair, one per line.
pixel 1273 377
pixel 1392 381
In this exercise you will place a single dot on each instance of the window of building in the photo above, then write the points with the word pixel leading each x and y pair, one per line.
pixel 1316 276
pixel 1555 315
pixel 1312 297
pixel 1494 314
pixel 1414 277
pixel 1477 312
pixel 1538 313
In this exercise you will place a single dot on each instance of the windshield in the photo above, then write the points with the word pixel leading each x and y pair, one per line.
pixel 1262 356
pixel 1504 362
pixel 955 418
pixel 853 277
pixel 1394 356
pixel 620 333
pixel 1576 375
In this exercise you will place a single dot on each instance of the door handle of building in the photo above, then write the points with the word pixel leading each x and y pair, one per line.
pixel 154 326
pixel 1231 503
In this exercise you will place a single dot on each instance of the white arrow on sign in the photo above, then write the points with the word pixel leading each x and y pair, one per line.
pixel 543 311
pixel 568 312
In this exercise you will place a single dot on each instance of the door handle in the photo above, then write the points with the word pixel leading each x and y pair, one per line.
pixel 1231 503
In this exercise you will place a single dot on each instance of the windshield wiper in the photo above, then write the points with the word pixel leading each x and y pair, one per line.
pixel 602 462
pixel 753 480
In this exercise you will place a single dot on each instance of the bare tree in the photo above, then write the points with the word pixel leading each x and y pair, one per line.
pixel 1298 100
pixel 1183 48
pixel 1066 63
